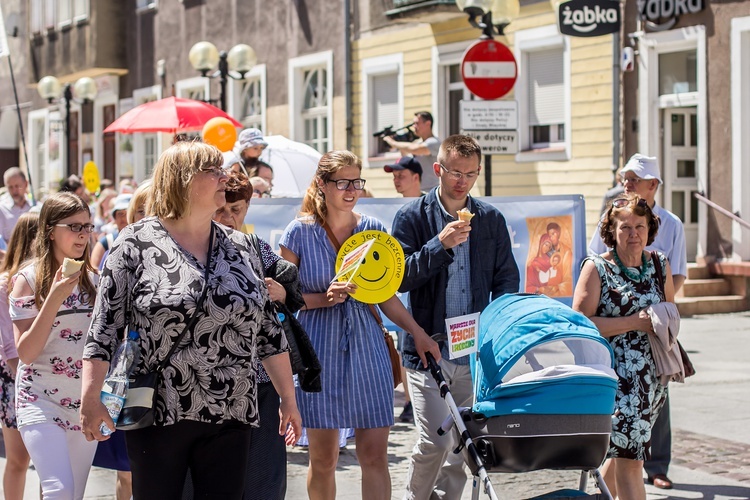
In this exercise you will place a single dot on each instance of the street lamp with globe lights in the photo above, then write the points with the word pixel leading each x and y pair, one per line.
pixel 497 13
pixel 82 91
pixel 204 57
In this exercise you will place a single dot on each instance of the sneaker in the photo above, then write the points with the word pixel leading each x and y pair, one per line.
pixel 407 415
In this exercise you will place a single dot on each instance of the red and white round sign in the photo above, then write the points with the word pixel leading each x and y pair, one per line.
pixel 489 69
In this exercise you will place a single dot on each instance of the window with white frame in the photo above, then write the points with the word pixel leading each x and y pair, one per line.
pixel 449 88
pixel 382 100
pixel 50 14
pixel 80 10
pixel 145 5
pixel 146 147
pixel 38 134
pixel 311 96
pixel 385 110
pixel 193 88
pixel 65 13
pixel 546 98
pixel 314 113
pixel 246 98
pixel 251 103
pixel 36 16
pixel 543 94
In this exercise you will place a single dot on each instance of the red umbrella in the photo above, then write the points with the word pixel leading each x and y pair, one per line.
pixel 172 114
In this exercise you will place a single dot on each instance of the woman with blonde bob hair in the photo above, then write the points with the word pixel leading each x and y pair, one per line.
pixel 139 202
pixel 356 369
pixel 617 290
pixel 170 270
pixel 51 314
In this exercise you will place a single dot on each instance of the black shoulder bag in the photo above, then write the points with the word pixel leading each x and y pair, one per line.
pixel 139 410
pixel 686 363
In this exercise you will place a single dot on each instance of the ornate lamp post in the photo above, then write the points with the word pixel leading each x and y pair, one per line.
pixel 495 14
pixel 204 57
pixel 82 91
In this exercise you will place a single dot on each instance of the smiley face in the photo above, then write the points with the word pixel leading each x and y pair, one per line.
pixel 381 272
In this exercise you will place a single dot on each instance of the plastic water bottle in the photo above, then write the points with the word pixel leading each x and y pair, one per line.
pixel 115 387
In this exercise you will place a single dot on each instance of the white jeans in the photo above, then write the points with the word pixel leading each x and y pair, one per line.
pixel 61 458
pixel 435 472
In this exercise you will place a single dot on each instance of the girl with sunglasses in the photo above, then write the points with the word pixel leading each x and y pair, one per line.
pixel 51 315
pixel 357 383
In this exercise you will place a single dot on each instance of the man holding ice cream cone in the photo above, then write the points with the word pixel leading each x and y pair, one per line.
pixel 458 255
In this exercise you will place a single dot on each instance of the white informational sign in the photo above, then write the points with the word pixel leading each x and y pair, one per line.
pixel 489 115
pixel 463 332
pixel 495 142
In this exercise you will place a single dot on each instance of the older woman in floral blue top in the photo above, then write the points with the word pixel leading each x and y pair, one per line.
pixel 614 291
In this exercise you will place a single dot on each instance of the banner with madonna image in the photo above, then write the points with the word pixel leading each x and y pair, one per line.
pixel 548 234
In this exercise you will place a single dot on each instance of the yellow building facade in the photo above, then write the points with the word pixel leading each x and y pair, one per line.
pixel 564 83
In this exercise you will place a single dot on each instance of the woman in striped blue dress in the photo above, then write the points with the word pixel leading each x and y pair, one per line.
pixel 357 379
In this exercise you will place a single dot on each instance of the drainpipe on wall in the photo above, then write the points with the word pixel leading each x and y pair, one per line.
pixel 616 92
pixel 347 73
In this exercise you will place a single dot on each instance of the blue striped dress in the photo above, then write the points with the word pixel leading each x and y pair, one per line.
pixel 356 376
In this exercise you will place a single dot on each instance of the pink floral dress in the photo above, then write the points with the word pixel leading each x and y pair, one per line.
pixel 49 389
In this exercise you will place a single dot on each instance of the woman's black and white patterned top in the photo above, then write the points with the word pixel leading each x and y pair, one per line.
pixel 211 377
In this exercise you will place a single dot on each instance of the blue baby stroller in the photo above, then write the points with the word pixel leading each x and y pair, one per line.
pixel 544 394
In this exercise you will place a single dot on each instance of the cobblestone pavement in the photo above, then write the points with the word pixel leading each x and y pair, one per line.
pixel 717 456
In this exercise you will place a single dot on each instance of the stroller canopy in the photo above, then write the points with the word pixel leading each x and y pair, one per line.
pixel 537 355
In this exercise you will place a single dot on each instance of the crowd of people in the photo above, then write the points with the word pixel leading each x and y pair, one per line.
pixel 171 260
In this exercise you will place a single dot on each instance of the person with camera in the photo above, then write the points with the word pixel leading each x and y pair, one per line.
pixel 425 148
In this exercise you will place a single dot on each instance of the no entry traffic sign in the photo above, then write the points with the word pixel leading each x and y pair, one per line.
pixel 489 69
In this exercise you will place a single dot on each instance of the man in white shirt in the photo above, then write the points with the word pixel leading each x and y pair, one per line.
pixel 641 176
pixel 424 149
pixel 13 203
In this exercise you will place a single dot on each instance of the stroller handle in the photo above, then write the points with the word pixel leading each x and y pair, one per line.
pixel 437 374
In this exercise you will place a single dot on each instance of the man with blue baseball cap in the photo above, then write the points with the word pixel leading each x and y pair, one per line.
pixel 407 176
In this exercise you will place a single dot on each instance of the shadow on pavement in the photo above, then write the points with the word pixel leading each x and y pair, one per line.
pixel 708 492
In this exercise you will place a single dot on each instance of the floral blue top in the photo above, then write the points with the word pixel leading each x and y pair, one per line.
pixel 639 394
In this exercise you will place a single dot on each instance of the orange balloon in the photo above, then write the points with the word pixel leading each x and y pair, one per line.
pixel 221 133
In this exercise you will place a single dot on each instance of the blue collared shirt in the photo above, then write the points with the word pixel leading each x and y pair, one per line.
pixel 458 292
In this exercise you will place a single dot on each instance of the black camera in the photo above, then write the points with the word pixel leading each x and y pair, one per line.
pixel 403 134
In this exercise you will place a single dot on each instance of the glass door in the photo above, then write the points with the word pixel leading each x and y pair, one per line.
pixel 680 136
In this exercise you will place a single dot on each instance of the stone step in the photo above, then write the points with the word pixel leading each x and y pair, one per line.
pixel 705 287
pixel 698 271
pixel 717 304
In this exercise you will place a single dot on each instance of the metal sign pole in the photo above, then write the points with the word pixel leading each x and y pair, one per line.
pixel 488 175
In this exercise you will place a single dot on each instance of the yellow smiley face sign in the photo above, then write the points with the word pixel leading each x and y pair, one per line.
pixel 380 273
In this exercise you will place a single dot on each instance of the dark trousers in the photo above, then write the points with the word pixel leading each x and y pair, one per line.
pixel 266 464
pixel 265 475
pixel 216 454
pixel 661 443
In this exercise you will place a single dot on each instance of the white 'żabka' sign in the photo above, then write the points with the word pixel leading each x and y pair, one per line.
pixel 588 17
pixel 661 15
